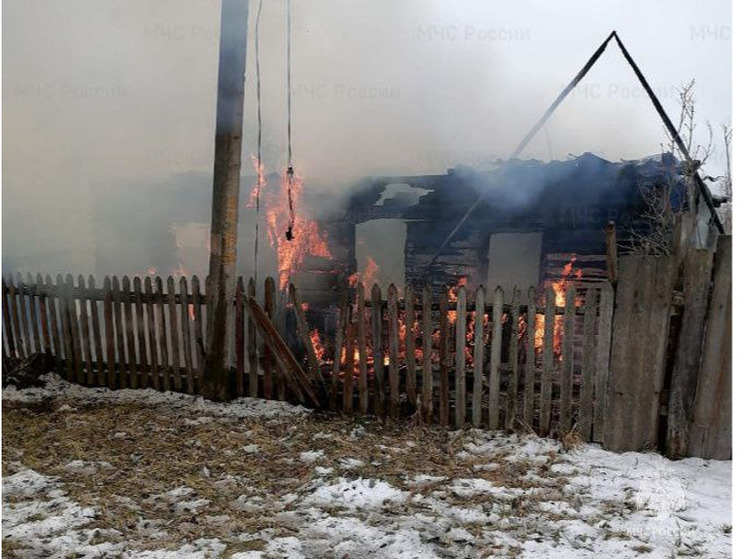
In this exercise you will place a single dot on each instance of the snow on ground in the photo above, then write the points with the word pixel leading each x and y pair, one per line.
pixel 479 494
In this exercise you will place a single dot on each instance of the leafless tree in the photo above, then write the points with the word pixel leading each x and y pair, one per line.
pixel 658 215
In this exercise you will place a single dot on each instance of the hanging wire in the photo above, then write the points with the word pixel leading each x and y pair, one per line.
pixel 259 173
pixel 289 173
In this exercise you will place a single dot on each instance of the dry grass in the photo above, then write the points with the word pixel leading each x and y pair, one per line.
pixel 154 450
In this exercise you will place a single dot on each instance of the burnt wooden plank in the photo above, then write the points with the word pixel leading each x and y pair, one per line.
pixel 496 327
pixel 96 330
pixel 252 348
pixel 85 334
pixel 511 410
pixel 173 325
pixel 529 384
pixel 161 322
pixel 444 354
pixel 338 345
pixel 409 341
pixel 296 378
pixel 239 332
pixel 7 328
pixel 640 335
pixel 363 350
pixel 587 374
pixel 427 355
pixel 477 387
pixel 142 368
pixel 152 336
pixel 393 344
pixel 712 425
pixel 697 273
pixel 268 361
pixel 603 354
pixel 547 365
pixel 33 314
pixel 129 329
pixel 186 338
pixel 568 362
pixel 376 319
pixel 109 333
pixel 460 357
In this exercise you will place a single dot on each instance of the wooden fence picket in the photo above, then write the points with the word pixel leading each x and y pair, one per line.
pixel 392 307
pixel 142 371
pixel 498 301
pixel 409 341
pixel 186 337
pixel 603 354
pixel 23 315
pixel 252 348
pixel 547 364
pixel 444 354
pixel 109 332
pixel 161 321
pixel 568 349
pixel 362 349
pixel 529 385
pixel 96 328
pixel 85 333
pixel 7 328
pixel 268 359
pixel 199 363
pixel 152 339
pixel 427 356
pixel 511 409
pixel 376 318
pixel 65 328
pixel 585 412
pixel 54 326
pixel 460 357
pixel 129 329
pixel 174 330
pixel 338 345
pixel 477 386
pixel 44 316
pixel 347 398
pixel 31 288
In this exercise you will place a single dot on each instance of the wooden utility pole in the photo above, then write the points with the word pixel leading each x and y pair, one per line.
pixel 221 288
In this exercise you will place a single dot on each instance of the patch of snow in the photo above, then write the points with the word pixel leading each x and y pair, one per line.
pixel 359 493
pixel 311 456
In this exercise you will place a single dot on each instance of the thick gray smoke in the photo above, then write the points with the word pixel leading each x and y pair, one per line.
pixel 109 107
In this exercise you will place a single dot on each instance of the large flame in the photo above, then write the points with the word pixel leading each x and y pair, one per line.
pixel 308 240
pixel 560 300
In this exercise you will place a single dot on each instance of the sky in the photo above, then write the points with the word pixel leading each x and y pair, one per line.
pixel 101 95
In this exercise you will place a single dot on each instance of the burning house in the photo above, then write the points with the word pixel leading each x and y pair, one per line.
pixel 533 219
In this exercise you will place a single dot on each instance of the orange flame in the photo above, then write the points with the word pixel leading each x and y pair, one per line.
pixel 308 239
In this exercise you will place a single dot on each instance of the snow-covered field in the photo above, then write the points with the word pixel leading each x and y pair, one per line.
pixel 96 473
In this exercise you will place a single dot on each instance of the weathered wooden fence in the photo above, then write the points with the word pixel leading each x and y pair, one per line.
pixel 644 366
pixel 484 361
